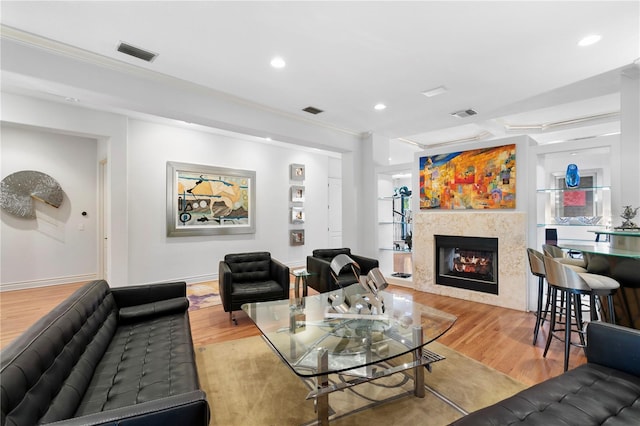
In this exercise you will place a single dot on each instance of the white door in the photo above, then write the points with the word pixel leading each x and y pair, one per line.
pixel 103 212
pixel 335 212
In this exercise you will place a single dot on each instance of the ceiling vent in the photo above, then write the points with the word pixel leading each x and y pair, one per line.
pixel 312 110
pixel 464 113
pixel 136 52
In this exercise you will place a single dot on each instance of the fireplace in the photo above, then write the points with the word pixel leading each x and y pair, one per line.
pixel 467 262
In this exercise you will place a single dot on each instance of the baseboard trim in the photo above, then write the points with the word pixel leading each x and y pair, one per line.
pixel 46 282
pixel 400 282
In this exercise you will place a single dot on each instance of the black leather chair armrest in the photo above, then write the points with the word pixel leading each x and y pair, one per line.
pixel 224 284
pixel 366 263
pixel 185 409
pixel 614 346
pixel 280 273
pixel 150 293
pixel 320 274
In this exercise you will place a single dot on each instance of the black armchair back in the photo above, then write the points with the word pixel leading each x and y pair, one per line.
pixel 319 265
pixel 251 277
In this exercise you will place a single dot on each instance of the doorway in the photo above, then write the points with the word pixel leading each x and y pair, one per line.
pixel 335 212
pixel 103 213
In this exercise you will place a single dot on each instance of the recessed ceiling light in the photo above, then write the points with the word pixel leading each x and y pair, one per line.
pixel 589 40
pixel 380 107
pixel 434 92
pixel 278 62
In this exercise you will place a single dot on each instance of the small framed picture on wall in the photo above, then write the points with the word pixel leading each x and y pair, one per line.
pixel 296 237
pixel 297 171
pixel 297 215
pixel 297 194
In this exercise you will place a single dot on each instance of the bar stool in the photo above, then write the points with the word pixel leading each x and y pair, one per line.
pixel 562 278
pixel 604 286
pixel 578 265
pixel 536 264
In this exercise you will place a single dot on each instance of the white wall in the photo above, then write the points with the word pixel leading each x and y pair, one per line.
pixel 110 131
pixel 137 153
pixel 60 245
pixel 153 256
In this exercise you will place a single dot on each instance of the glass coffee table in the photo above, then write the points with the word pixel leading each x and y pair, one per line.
pixel 351 332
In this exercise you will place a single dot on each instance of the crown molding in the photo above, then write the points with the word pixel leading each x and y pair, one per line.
pixel 552 126
pixel 474 138
pixel 63 49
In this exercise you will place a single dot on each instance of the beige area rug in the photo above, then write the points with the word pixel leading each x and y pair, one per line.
pixel 203 295
pixel 247 384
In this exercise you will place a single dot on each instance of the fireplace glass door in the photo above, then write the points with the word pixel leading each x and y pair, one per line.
pixel 467 262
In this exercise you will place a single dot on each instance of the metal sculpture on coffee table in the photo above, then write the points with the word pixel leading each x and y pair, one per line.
pixel 369 304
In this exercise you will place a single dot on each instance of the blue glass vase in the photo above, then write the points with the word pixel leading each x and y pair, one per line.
pixel 572 178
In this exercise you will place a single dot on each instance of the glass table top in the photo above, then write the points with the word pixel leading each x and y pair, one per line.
pixel 601 248
pixel 355 329
pixel 301 273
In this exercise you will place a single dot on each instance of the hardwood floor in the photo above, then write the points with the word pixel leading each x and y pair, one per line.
pixel 497 337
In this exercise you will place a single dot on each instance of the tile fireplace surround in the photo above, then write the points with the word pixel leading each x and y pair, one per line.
pixel 508 227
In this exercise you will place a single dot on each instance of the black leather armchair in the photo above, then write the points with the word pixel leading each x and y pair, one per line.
pixel 319 266
pixel 251 277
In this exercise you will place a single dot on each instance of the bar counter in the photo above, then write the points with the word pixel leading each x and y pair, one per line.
pixel 621 265
pixel 623 239
pixel 602 249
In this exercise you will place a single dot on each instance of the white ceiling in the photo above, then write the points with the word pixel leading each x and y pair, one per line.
pixel 514 62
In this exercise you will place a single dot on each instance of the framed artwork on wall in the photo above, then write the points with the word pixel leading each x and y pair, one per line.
pixel 297 215
pixel 297 171
pixel 296 237
pixel 297 194
pixel 208 200
pixel 482 178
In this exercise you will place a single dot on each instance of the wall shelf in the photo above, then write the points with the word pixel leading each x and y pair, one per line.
pixel 587 188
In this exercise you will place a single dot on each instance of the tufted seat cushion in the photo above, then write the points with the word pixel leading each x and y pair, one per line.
pixel 145 361
pixel 588 395
pixel 247 291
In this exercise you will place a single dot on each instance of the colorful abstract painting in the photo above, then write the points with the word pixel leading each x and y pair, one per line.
pixel 206 200
pixel 482 178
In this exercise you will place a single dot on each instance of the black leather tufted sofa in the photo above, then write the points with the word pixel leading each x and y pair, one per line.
pixel 319 265
pixel 604 391
pixel 121 356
